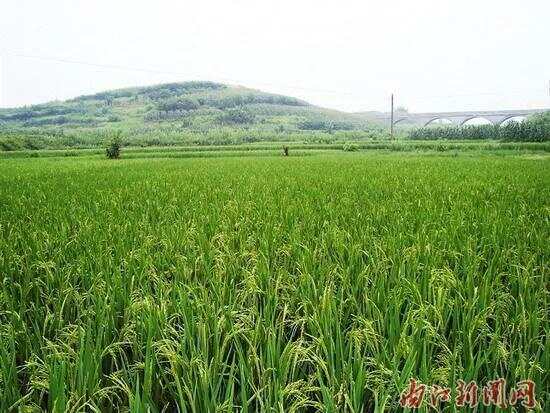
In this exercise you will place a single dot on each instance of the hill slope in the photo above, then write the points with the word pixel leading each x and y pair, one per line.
pixel 189 106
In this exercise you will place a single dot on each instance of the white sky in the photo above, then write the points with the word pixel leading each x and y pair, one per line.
pixel 434 54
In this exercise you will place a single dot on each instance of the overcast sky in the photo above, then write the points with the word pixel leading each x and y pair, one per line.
pixel 434 54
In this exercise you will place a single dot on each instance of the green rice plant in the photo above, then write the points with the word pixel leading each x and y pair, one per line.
pixel 299 284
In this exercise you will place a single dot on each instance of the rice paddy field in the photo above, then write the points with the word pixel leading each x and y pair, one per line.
pixel 270 284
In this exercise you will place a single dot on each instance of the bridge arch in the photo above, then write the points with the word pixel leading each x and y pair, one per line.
pixel 440 120
pixel 476 117
pixel 512 118
pixel 400 120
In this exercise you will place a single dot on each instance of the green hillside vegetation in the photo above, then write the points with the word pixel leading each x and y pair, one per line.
pixel 161 114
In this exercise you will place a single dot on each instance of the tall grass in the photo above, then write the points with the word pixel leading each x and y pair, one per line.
pixel 272 284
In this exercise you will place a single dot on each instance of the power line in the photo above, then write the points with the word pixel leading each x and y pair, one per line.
pixel 100 65
pixel 415 98
pixel 238 82
pixel 173 73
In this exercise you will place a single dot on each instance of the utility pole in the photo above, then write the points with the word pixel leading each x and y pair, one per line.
pixel 2 65
pixel 3 79
pixel 391 118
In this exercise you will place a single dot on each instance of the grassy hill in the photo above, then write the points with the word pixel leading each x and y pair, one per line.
pixel 167 112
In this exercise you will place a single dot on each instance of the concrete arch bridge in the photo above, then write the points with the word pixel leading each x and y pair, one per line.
pixel 496 117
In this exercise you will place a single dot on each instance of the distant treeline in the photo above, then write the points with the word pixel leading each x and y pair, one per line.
pixel 38 111
pixel 534 129
pixel 58 115
pixel 225 102
pixel 325 125
pixel 37 139
pixel 155 92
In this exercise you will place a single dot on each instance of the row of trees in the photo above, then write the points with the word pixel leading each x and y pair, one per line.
pixel 325 125
pixel 57 114
pixel 155 92
pixel 230 133
pixel 233 116
pixel 224 102
pixel 37 111
pixel 232 101
pixel 534 129
pixel 35 139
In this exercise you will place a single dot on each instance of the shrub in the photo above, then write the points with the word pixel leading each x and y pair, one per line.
pixel 350 147
pixel 113 147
